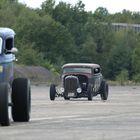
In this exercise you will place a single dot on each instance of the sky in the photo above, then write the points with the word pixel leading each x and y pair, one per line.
pixel 112 6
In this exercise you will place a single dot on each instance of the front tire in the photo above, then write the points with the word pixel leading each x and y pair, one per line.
pixel 4 114
pixel 52 92
pixel 65 97
pixel 21 99
pixel 104 90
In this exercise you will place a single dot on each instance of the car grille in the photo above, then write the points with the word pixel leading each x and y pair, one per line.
pixel 71 83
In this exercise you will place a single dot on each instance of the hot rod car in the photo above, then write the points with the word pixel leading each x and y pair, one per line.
pixel 14 93
pixel 80 80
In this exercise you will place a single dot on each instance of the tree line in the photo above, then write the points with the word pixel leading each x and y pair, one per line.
pixel 61 33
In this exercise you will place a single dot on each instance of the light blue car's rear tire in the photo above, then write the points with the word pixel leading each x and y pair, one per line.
pixel 21 100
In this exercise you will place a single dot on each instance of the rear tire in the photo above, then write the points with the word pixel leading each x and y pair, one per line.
pixel 104 90
pixel 89 92
pixel 52 92
pixel 21 99
pixel 4 114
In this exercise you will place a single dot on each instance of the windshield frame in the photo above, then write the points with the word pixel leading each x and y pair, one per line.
pixel 77 70
pixel 1 43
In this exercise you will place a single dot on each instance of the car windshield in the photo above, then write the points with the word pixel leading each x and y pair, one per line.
pixel 77 70
pixel 0 45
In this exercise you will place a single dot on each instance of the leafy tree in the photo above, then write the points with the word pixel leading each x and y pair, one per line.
pixel 72 17
pixel 101 14
pixel 50 37
pixel 29 56
pixel 57 34
pixel 136 59
pixel 9 11
pixel 63 13
pixel 80 6
pixel 88 51
pixel 48 6
pixel 136 17
pixel 120 55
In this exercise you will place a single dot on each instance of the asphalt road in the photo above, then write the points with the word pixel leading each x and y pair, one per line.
pixel 79 119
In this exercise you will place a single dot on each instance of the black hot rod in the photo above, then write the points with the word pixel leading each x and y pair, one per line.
pixel 80 80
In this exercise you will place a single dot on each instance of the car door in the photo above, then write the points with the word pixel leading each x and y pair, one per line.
pixel 97 78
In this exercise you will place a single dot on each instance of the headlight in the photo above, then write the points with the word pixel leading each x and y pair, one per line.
pixel 1 68
pixel 62 89
pixel 79 90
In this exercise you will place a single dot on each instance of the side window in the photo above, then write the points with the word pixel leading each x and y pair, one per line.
pixel 0 45
pixel 97 70
pixel 9 44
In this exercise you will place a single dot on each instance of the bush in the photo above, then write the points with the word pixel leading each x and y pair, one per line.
pixel 29 56
pixel 136 78
pixel 48 65
pixel 122 77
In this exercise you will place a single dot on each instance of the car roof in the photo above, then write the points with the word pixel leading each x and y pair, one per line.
pixel 87 65
pixel 6 32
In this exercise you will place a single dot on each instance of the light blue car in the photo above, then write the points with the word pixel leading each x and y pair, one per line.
pixel 15 93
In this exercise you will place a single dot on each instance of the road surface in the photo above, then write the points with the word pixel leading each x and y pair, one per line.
pixel 79 119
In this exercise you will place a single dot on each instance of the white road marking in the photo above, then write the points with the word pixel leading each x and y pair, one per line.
pixel 85 117
pixel 56 117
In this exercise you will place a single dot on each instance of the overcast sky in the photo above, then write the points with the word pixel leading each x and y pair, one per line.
pixel 112 6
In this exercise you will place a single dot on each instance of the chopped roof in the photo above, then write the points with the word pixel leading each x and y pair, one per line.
pixel 91 65
pixel 5 32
